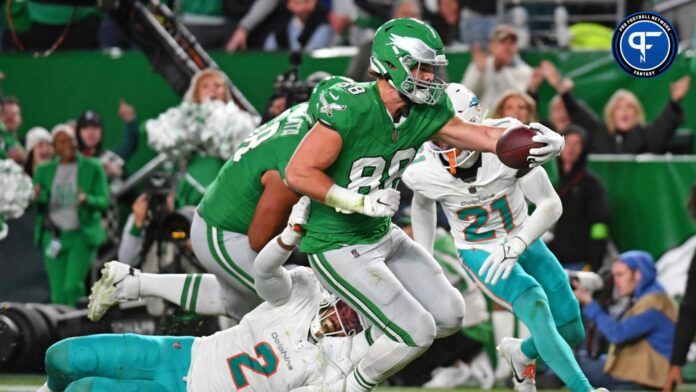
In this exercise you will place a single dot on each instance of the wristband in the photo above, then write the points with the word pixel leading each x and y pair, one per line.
pixel 345 199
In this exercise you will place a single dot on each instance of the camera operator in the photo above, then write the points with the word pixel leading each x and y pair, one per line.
pixel 641 337
pixel 289 90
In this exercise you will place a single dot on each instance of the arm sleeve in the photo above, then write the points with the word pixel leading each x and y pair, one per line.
pixel 257 13
pixel 686 324
pixel 98 196
pixel 129 143
pixel 620 331
pixel 131 243
pixel 537 187
pixel 423 220
pixel 273 282
pixel 661 129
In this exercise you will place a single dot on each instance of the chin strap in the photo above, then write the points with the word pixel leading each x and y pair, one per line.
pixel 452 159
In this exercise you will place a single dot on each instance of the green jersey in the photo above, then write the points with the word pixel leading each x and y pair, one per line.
pixel 231 200
pixel 374 154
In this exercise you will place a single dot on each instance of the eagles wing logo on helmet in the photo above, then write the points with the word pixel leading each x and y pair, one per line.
pixel 415 47
pixel 327 107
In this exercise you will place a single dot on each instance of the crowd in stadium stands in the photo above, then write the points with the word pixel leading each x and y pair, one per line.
pixel 73 172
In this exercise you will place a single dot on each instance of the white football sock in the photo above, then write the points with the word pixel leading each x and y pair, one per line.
pixel 198 293
pixel 503 326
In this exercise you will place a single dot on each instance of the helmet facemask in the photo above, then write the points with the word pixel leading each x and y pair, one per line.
pixel 335 318
pixel 421 91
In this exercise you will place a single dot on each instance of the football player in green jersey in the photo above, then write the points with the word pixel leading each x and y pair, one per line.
pixel 351 161
pixel 243 209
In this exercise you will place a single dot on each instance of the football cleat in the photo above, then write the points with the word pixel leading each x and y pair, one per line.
pixel 601 389
pixel 449 377
pixel 118 283
pixel 482 371
pixel 523 369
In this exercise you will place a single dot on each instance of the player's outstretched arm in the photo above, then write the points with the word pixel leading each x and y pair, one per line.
pixel 272 210
pixel 273 282
pixel 423 220
pixel 317 151
pixel 469 136
pixel 537 188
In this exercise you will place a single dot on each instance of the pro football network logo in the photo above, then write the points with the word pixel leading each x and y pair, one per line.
pixel 645 44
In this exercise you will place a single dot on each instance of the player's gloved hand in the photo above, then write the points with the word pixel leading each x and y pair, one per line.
pixel 554 145
pixel 501 261
pixel 381 203
pixel 298 216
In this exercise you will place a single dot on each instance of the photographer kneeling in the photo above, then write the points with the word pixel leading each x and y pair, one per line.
pixel 641 338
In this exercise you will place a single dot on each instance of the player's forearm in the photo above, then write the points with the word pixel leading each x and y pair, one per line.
pixel 538 189
pixel 273 282
pixel 470 136
pixel 423 221
pixel 309 181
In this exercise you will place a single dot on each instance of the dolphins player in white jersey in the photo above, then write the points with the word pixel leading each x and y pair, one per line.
pixel 499 244
pixel 300 339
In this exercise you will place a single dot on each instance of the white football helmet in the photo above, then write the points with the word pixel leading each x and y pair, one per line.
pixel 466 107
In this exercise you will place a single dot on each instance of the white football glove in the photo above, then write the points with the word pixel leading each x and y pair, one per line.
pixel 554 145
pixel 502 260
pixel 298 216
pixel 382 203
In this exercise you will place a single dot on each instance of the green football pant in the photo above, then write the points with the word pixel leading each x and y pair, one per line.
pixel 68 270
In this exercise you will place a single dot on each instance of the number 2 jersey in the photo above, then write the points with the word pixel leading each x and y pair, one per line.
pixel 268 351
pixel 374 154
pixel 482 210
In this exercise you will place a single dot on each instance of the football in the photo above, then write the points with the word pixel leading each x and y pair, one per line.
pixel 514 144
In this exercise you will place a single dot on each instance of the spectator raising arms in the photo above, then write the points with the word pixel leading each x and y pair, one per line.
pixel 641 338
pixel 580 235
pixel 624 129
pixel 71 194
pixel 304 25
pixel 489 76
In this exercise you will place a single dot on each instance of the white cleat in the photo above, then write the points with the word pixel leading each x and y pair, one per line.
pixel 523 369
pixel 118 283
pixel 482 371
pixel 449 377
pixel 601 389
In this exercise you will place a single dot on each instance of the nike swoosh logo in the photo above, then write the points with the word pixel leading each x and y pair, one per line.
pixel 380 202
pixel 514 373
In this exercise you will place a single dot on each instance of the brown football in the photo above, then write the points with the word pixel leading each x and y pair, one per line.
pixel 514 144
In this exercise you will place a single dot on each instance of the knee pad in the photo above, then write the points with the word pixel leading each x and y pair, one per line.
pixel 449 313
pixel 421 328
pixel 70 357
pixel 532 306
pixel 573 333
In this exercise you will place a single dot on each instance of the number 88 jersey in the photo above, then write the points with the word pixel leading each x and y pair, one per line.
pixel 482 210
pixel 375 152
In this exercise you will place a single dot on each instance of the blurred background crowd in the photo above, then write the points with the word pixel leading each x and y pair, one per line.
pixel 126 188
